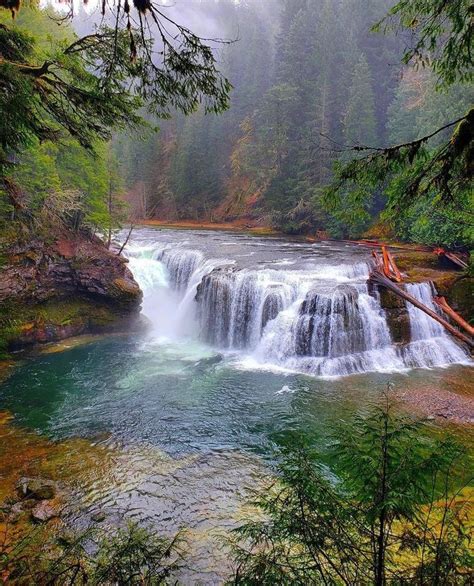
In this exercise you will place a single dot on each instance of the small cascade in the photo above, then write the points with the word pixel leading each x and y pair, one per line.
pixel 331 334
pixel 331 325
pixel 422 326
pixel 430 344
pixel 181 264
pixel 321 320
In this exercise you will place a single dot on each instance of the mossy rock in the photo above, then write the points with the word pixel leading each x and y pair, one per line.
pixel 461 297
pixel 56 320
pixel 388 299
pixel 400 327
pixel 410 260
pixel 126 289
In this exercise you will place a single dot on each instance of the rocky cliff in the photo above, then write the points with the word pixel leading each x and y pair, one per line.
pixel 51 289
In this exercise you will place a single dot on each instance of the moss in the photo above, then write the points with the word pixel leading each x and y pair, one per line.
pixel 461 297
pixel 411 259
pixel 102 317
pixel 388 299
pixel 18 323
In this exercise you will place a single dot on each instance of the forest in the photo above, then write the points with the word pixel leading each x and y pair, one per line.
pixel 309 81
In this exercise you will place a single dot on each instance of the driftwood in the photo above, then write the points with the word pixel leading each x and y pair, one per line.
pixel 379 278
pixel 449 311
pixel 386 265
pixel 455 259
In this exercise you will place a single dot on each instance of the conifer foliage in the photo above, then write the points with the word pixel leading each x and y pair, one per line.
pixel 392 514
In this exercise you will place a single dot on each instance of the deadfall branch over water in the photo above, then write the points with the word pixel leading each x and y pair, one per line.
pixel 250 341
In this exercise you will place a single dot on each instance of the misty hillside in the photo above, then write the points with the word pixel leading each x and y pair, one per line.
pixel 309 79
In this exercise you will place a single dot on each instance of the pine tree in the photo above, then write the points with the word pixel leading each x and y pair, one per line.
pixel 359 118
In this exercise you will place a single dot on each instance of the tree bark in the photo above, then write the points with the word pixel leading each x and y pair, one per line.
pixel 449 311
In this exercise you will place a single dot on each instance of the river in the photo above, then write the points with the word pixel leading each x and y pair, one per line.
pixel 249 341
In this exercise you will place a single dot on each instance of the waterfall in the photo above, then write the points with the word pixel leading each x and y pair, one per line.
pixel 235 306
pixel 430 344
pixel 180 264
pixel 331 334
pixel 321 320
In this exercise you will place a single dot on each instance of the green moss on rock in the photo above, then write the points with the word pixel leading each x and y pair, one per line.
pixel 461 297
pixel 54 321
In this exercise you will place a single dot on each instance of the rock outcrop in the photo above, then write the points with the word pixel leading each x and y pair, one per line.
pixel 396 312
pixel 54 289
pixel 456 286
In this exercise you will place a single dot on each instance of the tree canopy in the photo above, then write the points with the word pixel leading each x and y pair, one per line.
pixel 87 87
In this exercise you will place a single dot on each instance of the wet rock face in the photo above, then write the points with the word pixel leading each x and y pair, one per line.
pixel 38 271
pixel 461 296
pixel 91 285
pixel 396 312
pixel 399 324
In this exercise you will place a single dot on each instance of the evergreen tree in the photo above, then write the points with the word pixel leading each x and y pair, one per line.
pixel 385 513
pixel 359 117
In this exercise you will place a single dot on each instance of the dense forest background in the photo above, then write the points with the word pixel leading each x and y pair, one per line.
pixel 309 79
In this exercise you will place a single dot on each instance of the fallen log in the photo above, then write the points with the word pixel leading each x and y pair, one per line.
pixel 449 311
pixel 378 261
pixel 390 269
pixel 377 277
pixel 386 263
pixel 453 258
pixel 395 270
pixel 376 244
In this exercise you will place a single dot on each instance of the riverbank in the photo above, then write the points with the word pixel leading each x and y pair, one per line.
pixel 60 286
pixel 235 226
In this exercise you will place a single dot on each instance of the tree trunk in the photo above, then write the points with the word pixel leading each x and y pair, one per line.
pixel 449 311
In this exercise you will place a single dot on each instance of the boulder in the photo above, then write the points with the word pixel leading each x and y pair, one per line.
pixel 36 489
pixel 38 270
pixel 62 287
pixel 43 512
pixel 98 517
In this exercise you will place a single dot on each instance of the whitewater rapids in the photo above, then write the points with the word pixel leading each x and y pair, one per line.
pixel 279 305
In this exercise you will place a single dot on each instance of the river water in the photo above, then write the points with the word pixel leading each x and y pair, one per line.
pixel 250 341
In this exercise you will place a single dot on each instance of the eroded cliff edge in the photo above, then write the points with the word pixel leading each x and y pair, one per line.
pixel 62 286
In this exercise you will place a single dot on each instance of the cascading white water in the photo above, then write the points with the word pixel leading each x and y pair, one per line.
pixel 430 345
pixel 322 320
